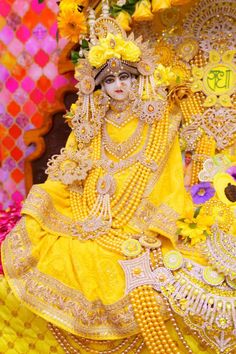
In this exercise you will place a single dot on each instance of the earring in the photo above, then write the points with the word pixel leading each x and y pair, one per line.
pixel 134 90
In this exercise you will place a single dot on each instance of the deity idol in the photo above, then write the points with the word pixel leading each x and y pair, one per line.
pixel 96 264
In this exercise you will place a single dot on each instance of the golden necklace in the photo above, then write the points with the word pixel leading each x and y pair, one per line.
pixel 124 149
pixel 125 202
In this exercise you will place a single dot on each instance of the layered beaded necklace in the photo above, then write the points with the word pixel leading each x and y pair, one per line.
pixel 122 150
pixel 120 113
pixel 123 203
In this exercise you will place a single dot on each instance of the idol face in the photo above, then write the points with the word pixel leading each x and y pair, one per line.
pixel 119 86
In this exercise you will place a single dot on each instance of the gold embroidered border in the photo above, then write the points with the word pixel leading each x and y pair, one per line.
pixel 161 217
pixel 58 303
pixel 40 205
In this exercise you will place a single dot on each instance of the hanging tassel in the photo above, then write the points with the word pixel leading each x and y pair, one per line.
pixel 100 217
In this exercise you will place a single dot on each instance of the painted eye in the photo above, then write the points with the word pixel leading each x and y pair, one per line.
pixel 123 77
pixel 109 80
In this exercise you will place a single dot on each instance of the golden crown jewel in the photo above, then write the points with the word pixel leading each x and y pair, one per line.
pixel 110 50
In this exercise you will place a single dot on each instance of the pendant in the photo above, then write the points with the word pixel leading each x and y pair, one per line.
pixel 173 260
pixel 131 247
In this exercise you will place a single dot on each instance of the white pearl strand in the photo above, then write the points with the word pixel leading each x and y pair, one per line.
pixel 69 349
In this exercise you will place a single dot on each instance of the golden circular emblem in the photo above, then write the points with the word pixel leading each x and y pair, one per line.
pixel 131 247
pixel 173 260
pixel 150 242
pixel 211 277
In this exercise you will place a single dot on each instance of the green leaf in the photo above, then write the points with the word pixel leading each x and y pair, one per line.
pixel 132 2
pixel 74 56
pixel 129 7
pixel 197 211
pixel 85 44
pixel 115 10
pixel 40 1
pixel 193 225
pixel 178 80
pixel 178 231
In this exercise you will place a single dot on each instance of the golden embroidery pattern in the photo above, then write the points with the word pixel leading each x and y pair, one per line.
pixel 56 302
pixel 206 303
pixel 40 205
pixel 161 217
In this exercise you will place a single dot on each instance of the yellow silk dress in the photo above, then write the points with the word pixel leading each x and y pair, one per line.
pixel 79 286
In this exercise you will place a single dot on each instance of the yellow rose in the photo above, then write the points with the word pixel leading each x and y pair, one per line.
pixel 112 53
pixel 106 42
pixel 160 5
pixel 143 11
pixel 124 20
pixel 97 56
pixel 111 45
pixel 131 52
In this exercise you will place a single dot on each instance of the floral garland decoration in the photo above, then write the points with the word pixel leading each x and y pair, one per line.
pixel 73 18
pixel 215 199
pixel 127 11
pixel 113 47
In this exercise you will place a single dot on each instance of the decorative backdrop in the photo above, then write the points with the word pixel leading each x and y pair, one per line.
pixel 29 79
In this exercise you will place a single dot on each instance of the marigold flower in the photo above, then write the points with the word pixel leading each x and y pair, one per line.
pixel 65 4
pixel 71 24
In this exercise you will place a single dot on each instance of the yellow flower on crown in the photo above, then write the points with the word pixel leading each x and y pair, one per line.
pixel 113 46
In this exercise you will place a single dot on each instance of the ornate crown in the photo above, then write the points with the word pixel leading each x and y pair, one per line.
pixel 111 51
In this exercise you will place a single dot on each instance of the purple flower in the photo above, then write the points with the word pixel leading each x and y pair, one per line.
pixel 202 192
pixel 232 172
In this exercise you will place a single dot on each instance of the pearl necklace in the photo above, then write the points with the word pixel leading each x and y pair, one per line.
pixel 120 113
pixel 122 150
pixel 113 167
